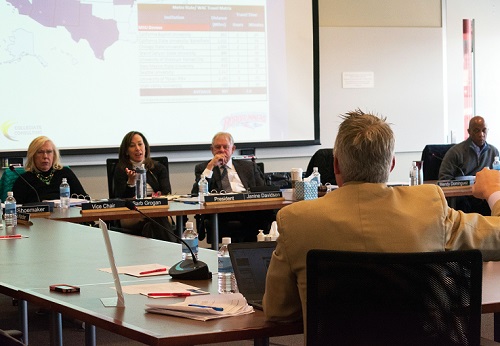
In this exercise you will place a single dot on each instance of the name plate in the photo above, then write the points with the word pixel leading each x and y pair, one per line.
pixel 119 203
pixel 243 197
pixel 23 218
pixel 110 204
pixel 150 202
pixel 34 209
pixel 452 183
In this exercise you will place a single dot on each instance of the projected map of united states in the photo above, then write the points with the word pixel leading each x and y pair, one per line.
pixel 76 17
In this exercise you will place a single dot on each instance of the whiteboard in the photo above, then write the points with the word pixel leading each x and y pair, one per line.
pixel 408 87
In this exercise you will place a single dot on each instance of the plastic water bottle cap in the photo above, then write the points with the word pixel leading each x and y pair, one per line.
pixel 226 240
pixel 189 224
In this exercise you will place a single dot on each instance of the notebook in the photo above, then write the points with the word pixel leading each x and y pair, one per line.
pixel 250 262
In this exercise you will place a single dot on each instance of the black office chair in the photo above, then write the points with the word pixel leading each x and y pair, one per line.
pixel 323 159
pixel 433 155
pixel 357 298
pixel 111 164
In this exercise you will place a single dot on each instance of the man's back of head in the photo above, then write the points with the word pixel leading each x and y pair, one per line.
pixel 364 148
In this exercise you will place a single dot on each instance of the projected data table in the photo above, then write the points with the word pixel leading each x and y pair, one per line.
pixel 188 50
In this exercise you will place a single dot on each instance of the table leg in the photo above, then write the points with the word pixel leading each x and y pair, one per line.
pixel 496 326
pixel 55 329
pixel 261 342
pixel 23 318
pixel 179 227
pixel 214 223
pixel 90 336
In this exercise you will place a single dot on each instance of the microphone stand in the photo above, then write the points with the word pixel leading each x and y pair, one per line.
pixel 13 169
pixel 188 269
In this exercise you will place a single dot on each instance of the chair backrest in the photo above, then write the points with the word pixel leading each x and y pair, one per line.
pixel 281 179
pixel 7 181
pixel 433 155
pixel 111 164
pixel 356 298
pixel 323 159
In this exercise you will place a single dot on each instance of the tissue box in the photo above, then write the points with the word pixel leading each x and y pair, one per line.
pixel 306 190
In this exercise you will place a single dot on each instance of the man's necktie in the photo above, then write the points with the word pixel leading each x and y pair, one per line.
pixel 226 185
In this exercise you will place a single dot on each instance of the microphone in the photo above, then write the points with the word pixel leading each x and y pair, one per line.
pixel 441 159
pixel 11 167
pixel 189 269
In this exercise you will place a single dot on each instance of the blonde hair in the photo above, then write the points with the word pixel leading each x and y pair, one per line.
pixel 34 146
pixel 364 147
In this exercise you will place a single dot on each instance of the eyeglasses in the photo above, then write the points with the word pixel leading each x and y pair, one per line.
pixel 217 147
pixel 43 152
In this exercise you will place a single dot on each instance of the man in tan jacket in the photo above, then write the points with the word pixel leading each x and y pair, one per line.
pixel 364 214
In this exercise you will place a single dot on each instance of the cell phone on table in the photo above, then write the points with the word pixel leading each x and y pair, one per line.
pixel 64 288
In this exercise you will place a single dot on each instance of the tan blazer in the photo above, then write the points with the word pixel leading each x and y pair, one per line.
pixel 368 217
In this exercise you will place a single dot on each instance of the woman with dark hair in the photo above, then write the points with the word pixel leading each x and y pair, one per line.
pixel 134 152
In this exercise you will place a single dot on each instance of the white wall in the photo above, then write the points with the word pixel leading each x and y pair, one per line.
pixel 487 55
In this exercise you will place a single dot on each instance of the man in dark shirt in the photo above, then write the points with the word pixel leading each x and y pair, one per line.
pixel 466 159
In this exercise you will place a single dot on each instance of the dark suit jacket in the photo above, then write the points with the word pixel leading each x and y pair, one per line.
pixel 249 173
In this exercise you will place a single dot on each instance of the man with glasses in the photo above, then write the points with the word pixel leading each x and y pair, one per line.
pixel 226 174
pixel 466 159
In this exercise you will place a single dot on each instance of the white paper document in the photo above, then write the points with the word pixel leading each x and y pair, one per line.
pixel 141 270
pixel 204 308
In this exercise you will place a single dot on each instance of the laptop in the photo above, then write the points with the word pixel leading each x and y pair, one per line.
pixel 119 300
pixel 250 262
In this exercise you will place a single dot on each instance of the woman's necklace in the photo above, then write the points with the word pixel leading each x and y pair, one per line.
pixel 46 179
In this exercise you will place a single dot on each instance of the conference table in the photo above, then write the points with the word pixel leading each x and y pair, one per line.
pixel 175 209
pixel 54 252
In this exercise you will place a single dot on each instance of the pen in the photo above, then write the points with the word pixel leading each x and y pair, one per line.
pixel 179 294
pixel 11 236
pixel 207 307
pixel 153 271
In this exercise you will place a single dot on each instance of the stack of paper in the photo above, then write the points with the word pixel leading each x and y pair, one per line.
pixel 204 308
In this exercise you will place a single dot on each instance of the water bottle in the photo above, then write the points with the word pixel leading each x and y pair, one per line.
pixel 191 238
pixel 140 183
pixel 64 194
pixel 227 281
pixel 202 189
pixel 10 210
pixel 496 163
pixel 414 174
pixel 316 176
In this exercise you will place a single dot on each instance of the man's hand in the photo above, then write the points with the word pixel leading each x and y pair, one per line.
pixel 217 160
pixel 487 182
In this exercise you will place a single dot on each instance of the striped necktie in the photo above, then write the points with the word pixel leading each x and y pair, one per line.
pixel 226 185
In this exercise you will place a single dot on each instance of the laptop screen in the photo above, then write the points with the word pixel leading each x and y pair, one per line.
pixel 250 263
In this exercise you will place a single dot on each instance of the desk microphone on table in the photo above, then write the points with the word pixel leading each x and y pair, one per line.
pixel 188 269
pixel 13 169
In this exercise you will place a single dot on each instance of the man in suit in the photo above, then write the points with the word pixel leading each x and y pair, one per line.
pixel 225 173
pixel 364 214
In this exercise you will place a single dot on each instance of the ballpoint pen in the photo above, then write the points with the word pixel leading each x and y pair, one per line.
pixel 153 271
pixel 207 307
pixel 166 294
pixel 11 236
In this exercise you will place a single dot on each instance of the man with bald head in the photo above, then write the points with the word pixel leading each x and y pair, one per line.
pixel 468 158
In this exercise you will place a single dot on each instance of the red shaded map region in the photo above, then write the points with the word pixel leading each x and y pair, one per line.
pixel 76 17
